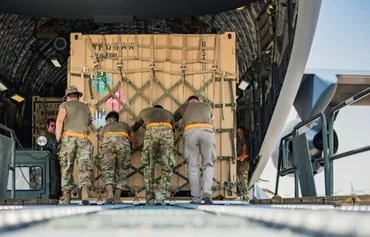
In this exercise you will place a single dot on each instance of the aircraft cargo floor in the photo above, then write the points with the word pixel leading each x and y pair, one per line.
pixel 183 219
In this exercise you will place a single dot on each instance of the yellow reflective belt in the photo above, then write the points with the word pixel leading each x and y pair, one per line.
pixel 76 134
pixel 159 124
pixel 198 125
pixel 123 134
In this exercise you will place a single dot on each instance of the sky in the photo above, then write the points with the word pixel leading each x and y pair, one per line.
pixel 342 37
pixel 342 41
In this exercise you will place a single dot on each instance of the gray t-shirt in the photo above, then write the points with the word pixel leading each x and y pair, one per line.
pixel 194 113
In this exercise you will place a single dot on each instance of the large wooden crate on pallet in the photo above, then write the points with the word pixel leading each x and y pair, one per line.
pixel 43 108
pixel 128 73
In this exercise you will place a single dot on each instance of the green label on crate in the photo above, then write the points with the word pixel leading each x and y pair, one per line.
pixel 101 87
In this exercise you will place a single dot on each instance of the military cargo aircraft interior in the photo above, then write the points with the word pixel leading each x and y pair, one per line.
pixel 245 59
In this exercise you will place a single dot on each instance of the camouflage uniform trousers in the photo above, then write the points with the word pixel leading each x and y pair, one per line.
pixel 115 162
pixel 80 149
pixel 243 172
pixel 158 144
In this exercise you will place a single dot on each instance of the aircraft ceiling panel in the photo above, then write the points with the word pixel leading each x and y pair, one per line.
pixel 27 44
pixel 77 9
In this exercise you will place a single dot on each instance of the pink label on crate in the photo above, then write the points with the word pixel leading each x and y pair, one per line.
pixel 114 104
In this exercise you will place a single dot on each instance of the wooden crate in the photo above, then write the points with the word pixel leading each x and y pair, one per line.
pixel 43 108
pixel 143 70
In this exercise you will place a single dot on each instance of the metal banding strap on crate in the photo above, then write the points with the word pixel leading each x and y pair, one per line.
pixel 166 92
pixel 214 67
pixel 125 79
pixel 96 66
pixel 105 98
pixel 223 94
pixel 133 98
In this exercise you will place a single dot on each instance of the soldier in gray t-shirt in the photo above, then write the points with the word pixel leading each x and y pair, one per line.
pixel 199 138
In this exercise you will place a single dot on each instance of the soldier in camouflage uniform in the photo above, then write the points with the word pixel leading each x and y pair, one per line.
pixel 242 162
pixel 72 130
pixel 51 146
pixel 49 134
pixel 199 138
pixel 158 145
pixel 115 152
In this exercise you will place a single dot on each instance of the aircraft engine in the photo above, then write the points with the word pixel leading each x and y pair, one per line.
pixel 289 126
pixel 315 144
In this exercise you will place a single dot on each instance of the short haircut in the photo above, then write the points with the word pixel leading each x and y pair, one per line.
pixel 158 106
pixel 242 128
pixel 112 115
pixel 193 97
pixel 50 120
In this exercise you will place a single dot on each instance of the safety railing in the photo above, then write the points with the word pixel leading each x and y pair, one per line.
pixel 11 166
pixel 283 160
pixel 328 156
pixel 332 116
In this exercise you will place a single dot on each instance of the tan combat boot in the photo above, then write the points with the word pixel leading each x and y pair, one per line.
pixel 117 196
pixel 85 195
pixel 110 196
pixel 66 198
